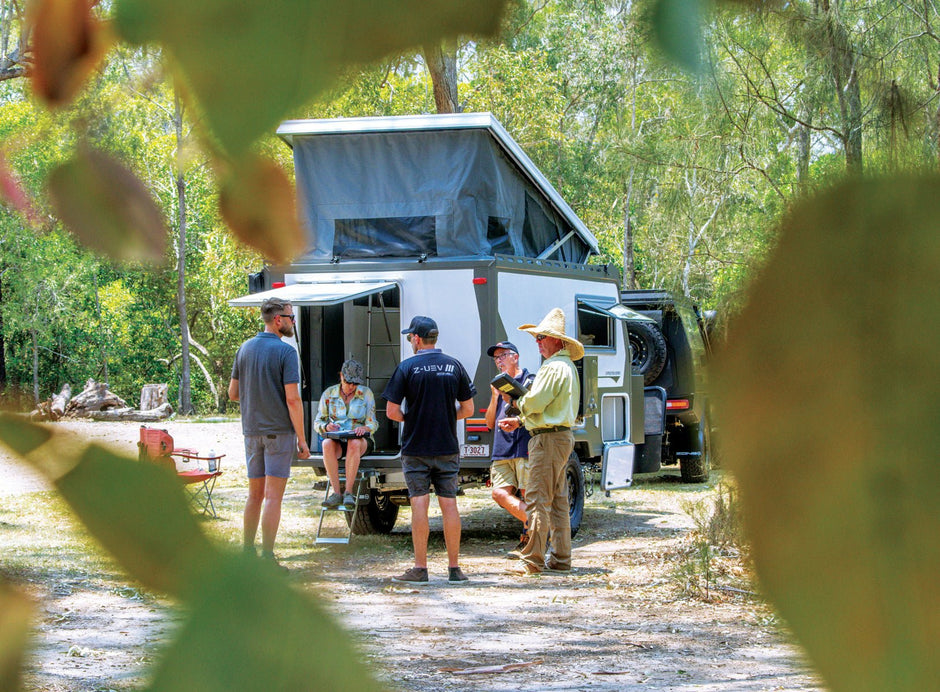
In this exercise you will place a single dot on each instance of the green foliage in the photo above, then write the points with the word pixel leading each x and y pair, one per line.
pixel 716 536
pixel 840 508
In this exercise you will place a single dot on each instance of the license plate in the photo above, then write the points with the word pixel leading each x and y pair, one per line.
pixel 474 450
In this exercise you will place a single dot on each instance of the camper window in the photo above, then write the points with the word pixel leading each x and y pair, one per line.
pixel 595 327
pixel 404 236
pixel 497 236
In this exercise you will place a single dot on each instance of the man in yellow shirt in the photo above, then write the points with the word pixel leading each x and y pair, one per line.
pixel 548 411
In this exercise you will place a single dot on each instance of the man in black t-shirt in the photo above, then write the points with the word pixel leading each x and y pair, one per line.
pixel 429 393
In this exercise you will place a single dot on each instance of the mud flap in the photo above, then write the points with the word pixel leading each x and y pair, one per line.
pixel 617 470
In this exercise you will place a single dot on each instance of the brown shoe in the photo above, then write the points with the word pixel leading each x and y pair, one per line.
pixel 413 575
pixel 552 565
pixel 526 570
pixel 516 553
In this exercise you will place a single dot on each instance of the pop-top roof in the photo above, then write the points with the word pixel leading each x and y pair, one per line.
pixel 441 185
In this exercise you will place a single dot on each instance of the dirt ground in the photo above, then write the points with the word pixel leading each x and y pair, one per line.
pixel 619 621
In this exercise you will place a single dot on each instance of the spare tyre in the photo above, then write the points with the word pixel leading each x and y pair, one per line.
pixel 648 348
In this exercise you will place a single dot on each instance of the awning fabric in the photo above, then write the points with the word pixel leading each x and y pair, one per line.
pixel 321 293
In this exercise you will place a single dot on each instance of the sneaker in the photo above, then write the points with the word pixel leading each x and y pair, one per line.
pixel 334 500
pixel 456 575
pixel 270 558
pixel 349 500
pixel 413 575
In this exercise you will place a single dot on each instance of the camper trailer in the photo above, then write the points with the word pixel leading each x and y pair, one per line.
pixel 445 216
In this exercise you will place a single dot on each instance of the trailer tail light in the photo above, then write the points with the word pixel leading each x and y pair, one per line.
pixel 277 284
pixel 479 281
pixel 678 405
pixel 476 425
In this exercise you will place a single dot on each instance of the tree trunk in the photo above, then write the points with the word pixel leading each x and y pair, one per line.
pixel 102 333
pixel 843 64
pixel 185 397
pixel 804 151
pixel 153 396
pixel 442 65
pixel 937 123
pixel 3 348
pixel 35 340
pixel 629 261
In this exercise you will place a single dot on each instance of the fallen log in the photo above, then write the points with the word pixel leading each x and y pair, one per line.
pixel 131 414
pixel 95 397
pixel 60 401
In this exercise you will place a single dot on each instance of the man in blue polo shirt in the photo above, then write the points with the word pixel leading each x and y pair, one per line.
pixel 509 469
pixel 429 393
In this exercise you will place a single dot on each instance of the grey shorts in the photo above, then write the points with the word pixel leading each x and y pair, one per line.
pixel 421 472
pixel 270 455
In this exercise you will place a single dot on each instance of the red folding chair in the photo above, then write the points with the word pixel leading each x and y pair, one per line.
pixel 156 445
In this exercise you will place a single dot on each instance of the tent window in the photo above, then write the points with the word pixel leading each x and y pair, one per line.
pixel 497 235
pixel 403 236
pixel 595 327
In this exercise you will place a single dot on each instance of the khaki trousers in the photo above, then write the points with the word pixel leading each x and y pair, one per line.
pixel 546 497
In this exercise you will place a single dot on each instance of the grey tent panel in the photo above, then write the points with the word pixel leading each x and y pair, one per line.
pixel 438 186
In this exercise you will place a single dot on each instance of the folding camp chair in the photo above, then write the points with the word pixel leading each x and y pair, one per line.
pixel 197 473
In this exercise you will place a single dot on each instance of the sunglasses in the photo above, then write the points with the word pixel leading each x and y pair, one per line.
pixel 541 337
pixel 292 318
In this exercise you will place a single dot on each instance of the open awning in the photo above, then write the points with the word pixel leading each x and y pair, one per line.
pixel 320 293
pixel 609 307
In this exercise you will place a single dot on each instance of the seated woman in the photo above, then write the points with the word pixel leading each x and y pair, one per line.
pixel 348 407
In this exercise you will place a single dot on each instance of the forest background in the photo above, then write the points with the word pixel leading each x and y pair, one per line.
pixel 682 175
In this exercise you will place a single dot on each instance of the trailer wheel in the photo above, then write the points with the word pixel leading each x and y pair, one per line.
pixel 378 515
pixel 695 467
pixel 575 478
pixel 648 348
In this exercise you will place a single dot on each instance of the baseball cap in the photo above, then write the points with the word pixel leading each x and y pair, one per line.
pixel 502 344
pixel 422 326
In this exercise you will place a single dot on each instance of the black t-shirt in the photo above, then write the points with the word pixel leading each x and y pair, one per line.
pixel 430 383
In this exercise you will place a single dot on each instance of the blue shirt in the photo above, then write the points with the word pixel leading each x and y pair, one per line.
pixel 263 365
pixel 430 383
pixel 515 444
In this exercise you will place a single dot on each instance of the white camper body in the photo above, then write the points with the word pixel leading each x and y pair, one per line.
pixel 354 297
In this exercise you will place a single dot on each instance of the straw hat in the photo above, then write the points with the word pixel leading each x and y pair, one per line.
pixel 553 324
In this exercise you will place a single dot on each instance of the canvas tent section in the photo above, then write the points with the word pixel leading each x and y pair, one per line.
pixel 426 186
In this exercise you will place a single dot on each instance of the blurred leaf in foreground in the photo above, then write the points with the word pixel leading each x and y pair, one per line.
pixel 68 43
pixel 245 629
pixel 11 189
pixel 250 62
pixel 15 625
pixel 107 207
pixel 829 396
pixel 249 631
pixel 677 26
pixel 140 514
pixel 20 435
pixel 256 200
